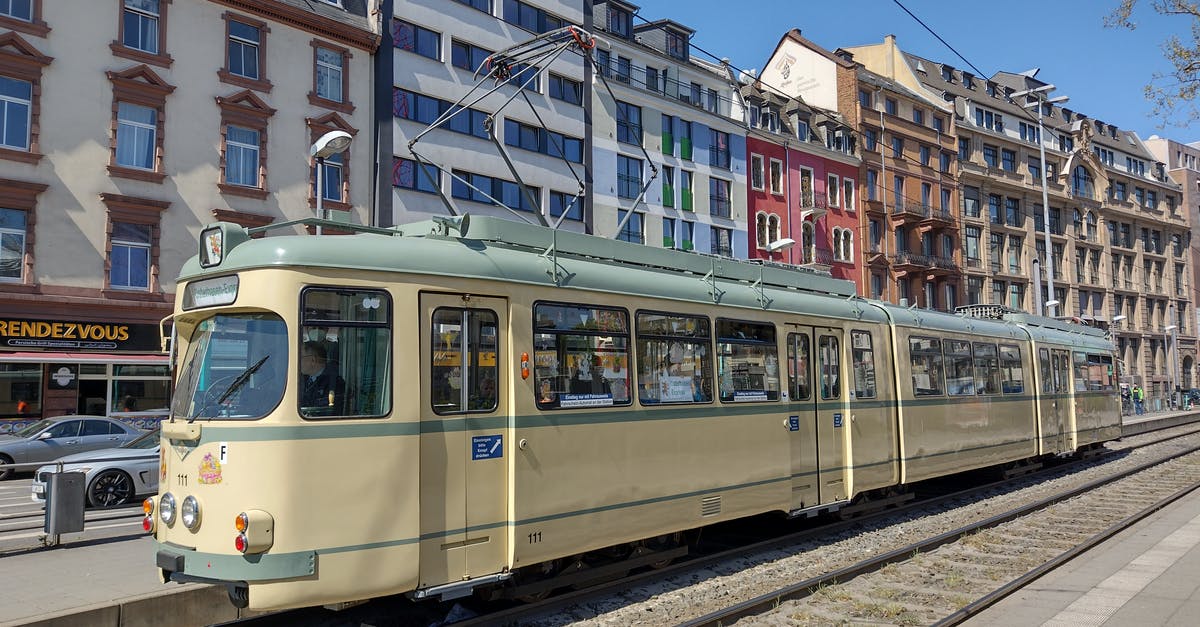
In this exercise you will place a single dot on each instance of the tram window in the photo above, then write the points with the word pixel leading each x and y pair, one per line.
pixel 864 364
pixel 987 369
pixel 1012 374
pixel 345 353
pixel 960 379
pixel 235 368
pixel 674 361
pixel 581 356
pixel 926 362
pixel 1081 371
pixel 464 365
pixel 1044 368
pixel 747 361
pixel 829 351
pixel 1099 373
pixel 799 373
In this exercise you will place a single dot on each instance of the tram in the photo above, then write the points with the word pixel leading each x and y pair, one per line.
pixel 470 405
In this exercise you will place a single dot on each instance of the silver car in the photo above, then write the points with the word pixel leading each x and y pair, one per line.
pixel 52 438
pixel 113 476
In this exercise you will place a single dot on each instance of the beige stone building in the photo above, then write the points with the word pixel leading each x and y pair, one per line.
pixel 1116 224
pixel 125 127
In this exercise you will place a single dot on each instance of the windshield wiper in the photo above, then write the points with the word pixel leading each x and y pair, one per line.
pixel 234 386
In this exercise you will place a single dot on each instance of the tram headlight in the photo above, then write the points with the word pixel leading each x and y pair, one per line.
pixel 255 531
pixel 166 509
pixel 190 513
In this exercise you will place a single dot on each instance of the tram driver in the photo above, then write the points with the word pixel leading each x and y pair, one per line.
pixel 323 392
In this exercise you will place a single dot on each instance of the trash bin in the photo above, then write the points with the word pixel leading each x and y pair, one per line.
pixel 64 503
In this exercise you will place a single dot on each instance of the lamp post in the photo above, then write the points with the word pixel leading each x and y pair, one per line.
pixel 327 145
pixel 1039 96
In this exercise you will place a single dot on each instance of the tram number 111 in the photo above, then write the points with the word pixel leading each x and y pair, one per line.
pixel 535 537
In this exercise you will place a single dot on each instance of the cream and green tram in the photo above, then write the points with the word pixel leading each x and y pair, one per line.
pixel 449 406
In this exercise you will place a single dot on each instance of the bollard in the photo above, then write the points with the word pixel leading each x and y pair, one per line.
pixel 64 504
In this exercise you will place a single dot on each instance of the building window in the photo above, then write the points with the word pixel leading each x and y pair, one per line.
pixel 918 116
pixel 329 67
pixel 142 32
pixel 418 39
pixel 538 139
pixel 677 45
pixel 243 149
pixel 139 99
pixel 971 202
pixel 1008 160
pixel 757 172
pixel 897 146
pixel 1081 182
pixel 241 156
pixel 722 242
pixel 17 9
pixel 718 197
pixel 130 256
pixel 245 45
pixel 832 187
pixel 629 177
pixel 468 56
pixel 12 244
pixel 718 156
pixel 137 127
pixel 964 148
pixel 494 191
pixel 409 174
pixel 530 17
pixel 565 89
pixel 632 231
pixel 890 106
pixel 629 123
pixel 873 192
pixel 924 155
pixel 561 202
pixel 776 176
pixel 620 22
pixel 424 109
pixel 16 105
pixel 331 178
pixel 989 156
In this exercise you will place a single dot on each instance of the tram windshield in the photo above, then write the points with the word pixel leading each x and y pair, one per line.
pixel 235 368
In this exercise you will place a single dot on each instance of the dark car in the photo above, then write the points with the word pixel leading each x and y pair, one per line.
pixel 52 438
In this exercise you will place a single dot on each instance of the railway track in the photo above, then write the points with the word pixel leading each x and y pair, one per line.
pixel 665 596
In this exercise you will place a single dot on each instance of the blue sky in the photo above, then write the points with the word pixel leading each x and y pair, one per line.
pixel 1102 70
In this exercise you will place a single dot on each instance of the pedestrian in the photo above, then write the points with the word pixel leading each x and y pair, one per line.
pixel 1139 398
pixel 22 406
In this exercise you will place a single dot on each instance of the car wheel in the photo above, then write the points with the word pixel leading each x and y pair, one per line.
pixel 110 489
pixel 5 473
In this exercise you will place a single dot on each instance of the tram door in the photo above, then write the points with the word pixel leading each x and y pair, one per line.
pixel 1053 370
pixel 464 437
pixel 816 384
pixel 1063 408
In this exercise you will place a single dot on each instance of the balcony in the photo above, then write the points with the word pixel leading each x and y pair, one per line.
pixel 814 206
pixel 905 262
pixel 905 212
pixel 876 256
pixel 819 259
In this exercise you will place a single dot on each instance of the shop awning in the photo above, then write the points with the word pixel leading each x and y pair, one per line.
pixel 81 358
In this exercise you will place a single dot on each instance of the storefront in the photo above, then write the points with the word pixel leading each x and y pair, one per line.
pixel 54 367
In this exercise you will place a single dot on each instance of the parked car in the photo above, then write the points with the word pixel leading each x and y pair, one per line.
pixel 52 438
pixel 113 476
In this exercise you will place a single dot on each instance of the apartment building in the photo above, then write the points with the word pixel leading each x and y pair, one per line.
pixel 439 51
pixel 909 182
pixel 1099 178
pixel 1182 163
pixel 802 183
pixel 128 125
pixel 664 121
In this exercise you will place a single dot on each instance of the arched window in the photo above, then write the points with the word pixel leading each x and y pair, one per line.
pixel 808 241
pixel 773 228
pixel 847 245
pixel 764 237
pixel 1081 183
pixel 837 243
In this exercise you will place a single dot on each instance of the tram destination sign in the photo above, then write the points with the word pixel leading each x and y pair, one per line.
pixel 20 333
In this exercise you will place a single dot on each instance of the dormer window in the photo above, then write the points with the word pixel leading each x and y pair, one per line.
pixel 677 45
pixel 991 89
pixel 620 22
pixel 947 73
pixel 968 81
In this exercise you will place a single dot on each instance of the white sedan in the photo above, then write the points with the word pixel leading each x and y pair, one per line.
pixel 113 476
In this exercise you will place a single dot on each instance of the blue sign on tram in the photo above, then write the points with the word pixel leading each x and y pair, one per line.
pixel 487 446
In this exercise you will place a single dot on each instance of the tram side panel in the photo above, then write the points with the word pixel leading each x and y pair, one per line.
pixel 587 478
pixel 1097 404
pixel 965 401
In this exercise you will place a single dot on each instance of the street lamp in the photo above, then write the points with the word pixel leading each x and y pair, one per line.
pixel 327 145
pixel 1039 100
pixel 1170 328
